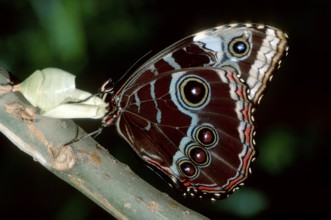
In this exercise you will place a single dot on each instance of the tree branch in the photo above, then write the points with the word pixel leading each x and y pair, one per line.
pixel 85 165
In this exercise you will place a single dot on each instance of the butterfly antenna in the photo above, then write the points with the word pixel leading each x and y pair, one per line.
pixel 133 65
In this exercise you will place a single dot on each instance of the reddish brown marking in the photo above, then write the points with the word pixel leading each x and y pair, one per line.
pixel 188 169
pixel 233 183
pixel 145 76
pixel 245 113
pixel 187 183
pixel 198 155
pixel 157 164
pixel 192 56
pixel 247 133
pixel 162 66
pixel 246 161
pixel 239 92
pixel 230 77
pixel 206 136
pixel 210 189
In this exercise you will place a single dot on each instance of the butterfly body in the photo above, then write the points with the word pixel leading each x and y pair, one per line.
pixel 188 111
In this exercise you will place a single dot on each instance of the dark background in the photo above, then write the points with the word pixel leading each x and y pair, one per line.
pixel 96 40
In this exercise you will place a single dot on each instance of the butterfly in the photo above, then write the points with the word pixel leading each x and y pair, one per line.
pixel 188 112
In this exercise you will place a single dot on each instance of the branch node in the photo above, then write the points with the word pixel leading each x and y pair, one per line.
pixel 64 160
pixel 21 111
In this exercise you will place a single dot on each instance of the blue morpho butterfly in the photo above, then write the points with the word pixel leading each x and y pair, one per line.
pixel 188 111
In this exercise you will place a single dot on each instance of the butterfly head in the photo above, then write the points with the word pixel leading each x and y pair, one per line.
pixel 108 95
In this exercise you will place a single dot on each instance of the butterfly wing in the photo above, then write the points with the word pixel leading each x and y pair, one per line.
pixel 187 112
pixel 253 51
pixel 204 142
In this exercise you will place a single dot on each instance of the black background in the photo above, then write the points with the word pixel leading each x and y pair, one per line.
pixel 291 177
